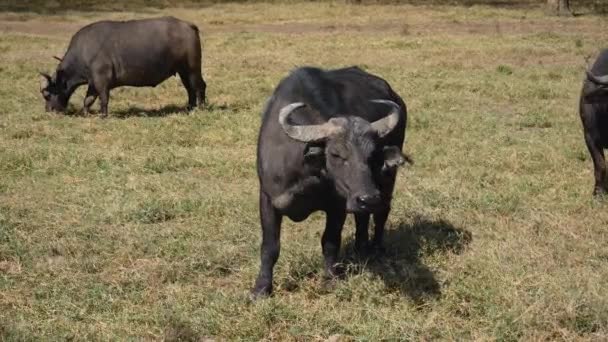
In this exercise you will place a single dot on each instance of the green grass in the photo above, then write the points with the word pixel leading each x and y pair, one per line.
pixel 145 225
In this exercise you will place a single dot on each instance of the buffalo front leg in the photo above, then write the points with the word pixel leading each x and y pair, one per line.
pixel 89 99
pixel 271 246
pixel 361 233
pixel 599 165
pixel 381 215
pixel 380 218
pixel 331 240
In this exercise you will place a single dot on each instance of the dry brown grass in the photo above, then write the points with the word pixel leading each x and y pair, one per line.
pixel 144 225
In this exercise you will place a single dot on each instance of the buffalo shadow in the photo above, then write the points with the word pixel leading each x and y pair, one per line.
pixel 136 111
pixel 133 111
pixel 400 267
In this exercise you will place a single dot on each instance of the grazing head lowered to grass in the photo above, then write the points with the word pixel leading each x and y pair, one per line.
pixel 140 53
pixel 330 141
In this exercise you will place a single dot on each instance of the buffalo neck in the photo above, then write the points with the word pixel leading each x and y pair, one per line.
pixel 74 76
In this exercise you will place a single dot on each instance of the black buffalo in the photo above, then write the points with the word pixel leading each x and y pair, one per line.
pixel 140 53
pixel 330 141
pixel 594 115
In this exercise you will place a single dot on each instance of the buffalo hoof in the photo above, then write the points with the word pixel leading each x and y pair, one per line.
pixel 260 291
pixel 336 271
pixel 600 191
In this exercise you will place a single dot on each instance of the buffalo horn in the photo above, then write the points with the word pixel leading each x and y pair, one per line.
pixel 601 80
pixel 45 81
pixel 385 125
pixel 308 133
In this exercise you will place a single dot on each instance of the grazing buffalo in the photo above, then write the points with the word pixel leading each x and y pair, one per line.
pixel 140 53
pixel 330 141
pixel 594 114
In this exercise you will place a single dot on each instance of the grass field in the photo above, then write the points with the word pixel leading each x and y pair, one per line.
pixel 145 225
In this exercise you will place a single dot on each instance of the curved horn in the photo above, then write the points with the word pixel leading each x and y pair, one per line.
pixel 307 133
pixel 385 125
pixel 58 58
pixel 601 80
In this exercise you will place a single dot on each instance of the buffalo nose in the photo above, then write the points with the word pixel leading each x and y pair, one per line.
pixel 369 200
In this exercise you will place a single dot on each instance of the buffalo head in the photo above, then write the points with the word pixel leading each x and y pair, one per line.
pixel 54 90
pixel 350 151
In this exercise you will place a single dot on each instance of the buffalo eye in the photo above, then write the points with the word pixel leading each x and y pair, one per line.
pixel 338 156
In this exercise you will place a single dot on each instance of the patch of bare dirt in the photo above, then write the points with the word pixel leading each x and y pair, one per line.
pixel 399 25
pixel 37 27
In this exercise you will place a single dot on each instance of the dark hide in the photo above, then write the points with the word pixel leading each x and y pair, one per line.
pixel 594 115
pixel 140 53
pixel 351 171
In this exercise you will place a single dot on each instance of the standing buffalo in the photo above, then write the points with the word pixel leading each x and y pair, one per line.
pixel 140 53
pixel 594 114
pixel 331 141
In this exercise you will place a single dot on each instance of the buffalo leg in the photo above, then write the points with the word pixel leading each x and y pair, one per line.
pixel 89 99
pixel 271 245
pixel 381 215
pixel 186 81
pixel 199 86
pixel 599 164
pixel 331 240
pixel 101 81
pixel 104 98
pixel 361 233
pixel 103 89
pixel 380 218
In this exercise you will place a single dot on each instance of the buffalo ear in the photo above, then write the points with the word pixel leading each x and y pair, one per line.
pixel 393 158
pixel 315 155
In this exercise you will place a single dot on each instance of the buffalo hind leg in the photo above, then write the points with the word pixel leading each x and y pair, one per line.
pixel 331 240
pixel 89 99
pixel 271 246
pixel 199 86
pixel 599 165
pixel 361 233
pixel 104 98
pixel 101 82
pixel 102 86
pixel 185 77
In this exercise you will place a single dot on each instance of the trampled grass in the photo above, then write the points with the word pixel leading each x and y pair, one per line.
pixel 145 225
